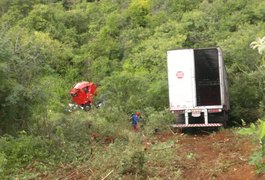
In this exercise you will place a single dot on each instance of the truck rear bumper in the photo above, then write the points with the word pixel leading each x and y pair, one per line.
pixel 197 125
pixel 201 118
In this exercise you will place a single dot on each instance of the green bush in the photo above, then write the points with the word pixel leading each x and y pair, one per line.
pixel 134 163
pixel 133 159
pixel 258 131
pixel 160 120
pixel 3 162
pixel 17 153
pixel 66 140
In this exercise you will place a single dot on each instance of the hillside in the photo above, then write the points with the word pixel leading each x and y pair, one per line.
pixel 47 46
pixel 204 154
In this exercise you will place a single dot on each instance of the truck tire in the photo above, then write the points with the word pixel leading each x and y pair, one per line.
pixel 87 107
pixel 225 119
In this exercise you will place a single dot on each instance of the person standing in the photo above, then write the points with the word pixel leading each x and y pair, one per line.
pixel 135 118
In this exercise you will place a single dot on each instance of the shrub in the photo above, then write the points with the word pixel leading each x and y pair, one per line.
pixel 258 130
pixel 3 162
pixel 133 159
pixel 18 152
pixel 133 163
pixel 157 120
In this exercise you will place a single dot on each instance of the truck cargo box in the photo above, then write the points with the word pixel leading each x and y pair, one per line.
pixel 198 87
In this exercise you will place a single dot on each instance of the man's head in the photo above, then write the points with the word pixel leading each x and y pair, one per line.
pixel 138 113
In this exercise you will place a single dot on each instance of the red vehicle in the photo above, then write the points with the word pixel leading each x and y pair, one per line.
pixel 83 94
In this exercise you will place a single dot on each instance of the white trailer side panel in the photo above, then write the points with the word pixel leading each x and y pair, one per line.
pixel 181 79
pixel 223 82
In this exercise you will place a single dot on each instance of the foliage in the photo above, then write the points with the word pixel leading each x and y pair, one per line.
pixel 124 91
pixel 133 162
pixel 18 152
pixel 163 156
pixel 55 142
pixel 259 44
pixel 258 131
pixel 157 120
pixel 47 46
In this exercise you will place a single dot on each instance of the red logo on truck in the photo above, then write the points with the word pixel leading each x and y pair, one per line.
pixel 179 74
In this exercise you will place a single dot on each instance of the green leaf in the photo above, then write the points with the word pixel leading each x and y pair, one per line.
pixel 261 129
pixel 248 131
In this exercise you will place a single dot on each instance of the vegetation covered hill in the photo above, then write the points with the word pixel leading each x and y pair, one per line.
pixel 46 46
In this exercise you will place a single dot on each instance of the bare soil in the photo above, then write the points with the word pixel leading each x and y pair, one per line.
pixel 217 155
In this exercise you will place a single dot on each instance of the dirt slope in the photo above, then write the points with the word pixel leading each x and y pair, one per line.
pixel 217 155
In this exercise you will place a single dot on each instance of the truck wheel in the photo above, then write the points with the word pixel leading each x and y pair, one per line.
pixel 87 107
pixel 98 104
pixel 225 119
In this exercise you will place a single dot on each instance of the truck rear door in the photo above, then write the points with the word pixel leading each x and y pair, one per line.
pixel 181 79
pixel 207 72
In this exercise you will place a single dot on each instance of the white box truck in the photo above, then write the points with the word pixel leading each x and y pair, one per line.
pixel 198 88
